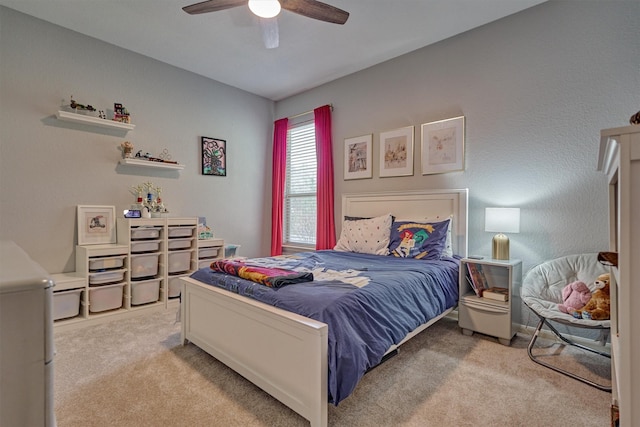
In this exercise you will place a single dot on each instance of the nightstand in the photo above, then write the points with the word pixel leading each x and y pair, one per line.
pixel 487 316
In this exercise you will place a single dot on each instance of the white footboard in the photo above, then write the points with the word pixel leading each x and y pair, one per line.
pixel 283 353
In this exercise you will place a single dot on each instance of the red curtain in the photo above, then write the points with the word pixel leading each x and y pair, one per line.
pixel 277 191
pixel 325 228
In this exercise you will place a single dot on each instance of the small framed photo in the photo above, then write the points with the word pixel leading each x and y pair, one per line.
pixel 396 152
pixel 214 156
pixel 357 157
pixel 443 146
pixel 96 225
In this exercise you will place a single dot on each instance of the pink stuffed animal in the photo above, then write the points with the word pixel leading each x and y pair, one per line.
pixel 574 296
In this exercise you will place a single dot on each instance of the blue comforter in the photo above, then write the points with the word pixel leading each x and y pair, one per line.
pixel 370 302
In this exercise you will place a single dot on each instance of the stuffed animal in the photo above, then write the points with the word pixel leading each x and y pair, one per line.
pixel 598 307
pixel 574 296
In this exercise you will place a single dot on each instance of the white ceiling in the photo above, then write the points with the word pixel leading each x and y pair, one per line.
pixel 227 46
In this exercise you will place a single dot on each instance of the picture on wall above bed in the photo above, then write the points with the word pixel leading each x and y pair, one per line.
pixel 96 225
pixel 443 146
pixel 214 156
pixel 396 152
pixel 357 157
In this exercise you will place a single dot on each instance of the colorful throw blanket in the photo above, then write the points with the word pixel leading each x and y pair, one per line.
pixel 271 277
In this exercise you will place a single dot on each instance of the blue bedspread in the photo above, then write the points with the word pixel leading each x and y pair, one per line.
pixel 370 302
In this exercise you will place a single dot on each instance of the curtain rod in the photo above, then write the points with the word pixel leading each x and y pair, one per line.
pixel 305 113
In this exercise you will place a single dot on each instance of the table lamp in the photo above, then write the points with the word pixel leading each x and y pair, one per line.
pixel 501 220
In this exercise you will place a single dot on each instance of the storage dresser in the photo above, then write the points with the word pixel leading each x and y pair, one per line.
pixel 619 159
pixel 139 272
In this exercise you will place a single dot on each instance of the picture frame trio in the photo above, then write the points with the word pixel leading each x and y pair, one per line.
pixel 442 150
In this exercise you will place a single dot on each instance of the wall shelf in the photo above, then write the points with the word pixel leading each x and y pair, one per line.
pixel 93 121
pixel 151 164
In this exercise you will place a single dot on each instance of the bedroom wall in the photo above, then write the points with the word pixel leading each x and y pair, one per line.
pixel 47 167
pixel 535 88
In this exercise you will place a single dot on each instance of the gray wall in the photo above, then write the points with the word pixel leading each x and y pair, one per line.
pixel 535 88
pixel 47 167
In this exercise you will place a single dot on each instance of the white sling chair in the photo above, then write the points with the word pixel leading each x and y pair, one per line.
pixel 542 292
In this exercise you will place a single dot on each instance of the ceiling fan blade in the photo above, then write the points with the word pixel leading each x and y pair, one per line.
pixel 316 10
pixel 270 35
pixel 212 6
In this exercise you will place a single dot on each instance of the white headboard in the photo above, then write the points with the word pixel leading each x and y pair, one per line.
pixel 418 204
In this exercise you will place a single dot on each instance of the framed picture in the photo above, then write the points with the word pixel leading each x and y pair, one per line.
pixel 357 157
pixel 396 152
pixel 214 156
pixel 443 146
pixel 96 225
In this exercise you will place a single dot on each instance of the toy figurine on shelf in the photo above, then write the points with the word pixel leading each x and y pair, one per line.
pixel 120 114
pixel 148 200
pixel 127 149
pixel 75 106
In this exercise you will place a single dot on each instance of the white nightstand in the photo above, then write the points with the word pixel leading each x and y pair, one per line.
pixel 486 316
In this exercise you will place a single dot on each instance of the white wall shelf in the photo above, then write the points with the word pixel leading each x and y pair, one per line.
pixel 151 164
pixel 94 121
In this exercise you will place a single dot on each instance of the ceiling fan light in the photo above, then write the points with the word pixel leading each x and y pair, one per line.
pixel 265 8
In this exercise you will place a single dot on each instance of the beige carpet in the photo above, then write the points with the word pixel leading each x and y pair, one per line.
pixel 134 372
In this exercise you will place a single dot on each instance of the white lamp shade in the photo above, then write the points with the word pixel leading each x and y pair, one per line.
pixel 502 220
pixel 265 8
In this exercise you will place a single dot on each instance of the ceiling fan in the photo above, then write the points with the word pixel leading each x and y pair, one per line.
pixel 267 10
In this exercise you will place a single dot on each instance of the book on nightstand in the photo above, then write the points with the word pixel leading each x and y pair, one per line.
pixel 498 294
pixel 478 281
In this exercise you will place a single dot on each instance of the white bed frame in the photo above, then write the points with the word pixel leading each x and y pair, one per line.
pixel 283 353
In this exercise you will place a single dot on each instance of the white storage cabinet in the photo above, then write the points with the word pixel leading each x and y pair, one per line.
pixel 619 159
pixel 104 268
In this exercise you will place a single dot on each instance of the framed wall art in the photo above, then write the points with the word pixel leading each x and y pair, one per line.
pixel 357 157
pixel 443 146
pixel 396 152
pixel 96 225
pixel 214 156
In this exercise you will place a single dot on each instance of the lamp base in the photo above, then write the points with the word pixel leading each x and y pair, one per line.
pixel 500 247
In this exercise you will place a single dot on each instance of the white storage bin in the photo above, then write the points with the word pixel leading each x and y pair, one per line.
pixel 66 304
pixel 104 263
pixel 107 297
pixel 145 291
pixel 180 244
pixel 144 265
pixel 175 286
pixel 179 261
pixel 205 262
pixel 180 231
pixel 145 233
pixel 208 252
pixel 105 277
pixel 145 246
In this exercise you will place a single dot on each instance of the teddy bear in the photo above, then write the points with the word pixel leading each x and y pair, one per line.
pixel 574 296
pixel 598 307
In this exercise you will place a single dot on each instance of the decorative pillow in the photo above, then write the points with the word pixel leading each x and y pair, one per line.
pixel 365 236
pixel 421 240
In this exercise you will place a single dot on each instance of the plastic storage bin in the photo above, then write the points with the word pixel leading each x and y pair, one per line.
pixel 145 291
pixel 208 252
pixel 145 233
pixel 179 244
pixel 231 251
pixel 106 277
pixel 66 304
pixel 179 261
pixel 107 297
pixel 205 262
pixel 106 262
pixel 145 246
pixel 180 231
pixel 144 265
pixel 175 286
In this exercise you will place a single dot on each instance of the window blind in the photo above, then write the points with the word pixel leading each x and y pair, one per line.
pixel 300 186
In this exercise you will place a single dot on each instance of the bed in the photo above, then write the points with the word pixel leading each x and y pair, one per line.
pixel 293 357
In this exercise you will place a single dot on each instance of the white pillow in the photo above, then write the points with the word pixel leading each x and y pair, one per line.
pixel 366 236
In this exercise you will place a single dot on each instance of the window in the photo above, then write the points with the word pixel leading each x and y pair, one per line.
pixel 300 212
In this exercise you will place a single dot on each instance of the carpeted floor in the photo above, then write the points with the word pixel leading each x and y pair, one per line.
pixel 134 372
